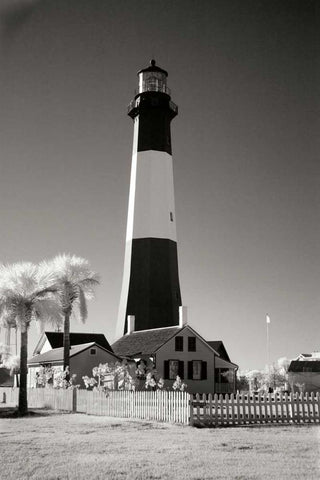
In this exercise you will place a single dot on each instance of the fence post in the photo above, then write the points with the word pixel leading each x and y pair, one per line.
pixel 74 400
pixel 191 409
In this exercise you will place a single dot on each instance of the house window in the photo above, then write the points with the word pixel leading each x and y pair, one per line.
pixel 191 344
pixel 197 370
pixel 172 369
pixel 93 351
pixel 179 344
pixel 307 369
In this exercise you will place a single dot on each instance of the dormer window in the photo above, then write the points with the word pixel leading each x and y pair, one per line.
pixel 191 344
pixel 179 344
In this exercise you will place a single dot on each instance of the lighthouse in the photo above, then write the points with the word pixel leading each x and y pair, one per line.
pixel 150 287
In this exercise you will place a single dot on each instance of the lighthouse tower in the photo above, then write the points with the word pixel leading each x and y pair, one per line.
pixel 150 288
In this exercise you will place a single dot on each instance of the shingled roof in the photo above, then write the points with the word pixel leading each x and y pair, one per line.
pixel 76 338
pixel 144 342
pixel 56 355
pixel 218 346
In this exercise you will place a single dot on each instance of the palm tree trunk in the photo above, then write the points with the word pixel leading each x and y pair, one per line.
pixel 66 344
pixel 23 399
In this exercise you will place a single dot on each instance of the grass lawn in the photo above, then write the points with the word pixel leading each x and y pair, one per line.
pixel 52 445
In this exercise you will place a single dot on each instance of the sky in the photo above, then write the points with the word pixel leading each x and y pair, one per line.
pixel 246 172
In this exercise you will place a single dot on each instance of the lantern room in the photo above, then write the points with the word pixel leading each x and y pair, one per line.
pixel 153 79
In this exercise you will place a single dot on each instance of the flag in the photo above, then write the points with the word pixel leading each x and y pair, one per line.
pixel 268 319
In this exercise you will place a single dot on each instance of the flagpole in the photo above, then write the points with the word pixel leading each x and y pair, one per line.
pixel 268 341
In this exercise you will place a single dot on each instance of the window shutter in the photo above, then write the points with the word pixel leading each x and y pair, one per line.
pixel 190 370
pixel 204 371
pixel 181 369
pixel 166 369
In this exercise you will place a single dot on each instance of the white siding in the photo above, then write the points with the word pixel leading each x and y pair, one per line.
pixel 203 352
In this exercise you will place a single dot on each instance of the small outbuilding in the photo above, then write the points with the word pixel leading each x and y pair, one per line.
pixel 304 373
pixel 83 358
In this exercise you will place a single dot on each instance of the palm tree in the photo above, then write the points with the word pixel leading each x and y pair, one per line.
pixel 27 293
pixel 76 284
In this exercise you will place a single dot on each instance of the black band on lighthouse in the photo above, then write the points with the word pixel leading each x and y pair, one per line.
pixel 154 293
pixel 155 112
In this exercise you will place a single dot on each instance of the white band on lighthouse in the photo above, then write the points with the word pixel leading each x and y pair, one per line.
pixel 151 212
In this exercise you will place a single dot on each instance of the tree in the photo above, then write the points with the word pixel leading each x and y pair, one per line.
pixel 242 382
pixel 273 377
pixel 179 385
pixel 127 375
pixel 112 376
pixel 76 285
pixel 55 377
pixel 27 293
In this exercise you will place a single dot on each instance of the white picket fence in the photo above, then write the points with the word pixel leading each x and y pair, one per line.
pixel 177 407
pixel 161 406
pixel 218 410
pixel 56 399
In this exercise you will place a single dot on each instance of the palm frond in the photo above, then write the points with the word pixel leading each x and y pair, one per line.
pixel 48 310
pixel 46 276
pixel 23 286
pixel 88 286
pixel 83 311
pixel 71 268
pixel 18 279
pixel 7 316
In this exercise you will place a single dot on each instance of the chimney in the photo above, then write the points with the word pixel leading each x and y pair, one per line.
pixel 183 319
pixel 131 322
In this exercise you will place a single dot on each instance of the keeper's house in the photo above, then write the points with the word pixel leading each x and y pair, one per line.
pixel 204 366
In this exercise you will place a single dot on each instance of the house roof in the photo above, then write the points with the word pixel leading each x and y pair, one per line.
pixel 76 338
pixel 144 342
pixel 56 355
pixel 221 363
pixel 304 366
pixel 220 348
pixel 147 342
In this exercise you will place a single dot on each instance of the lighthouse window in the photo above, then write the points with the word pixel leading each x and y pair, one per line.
pixel 171 217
